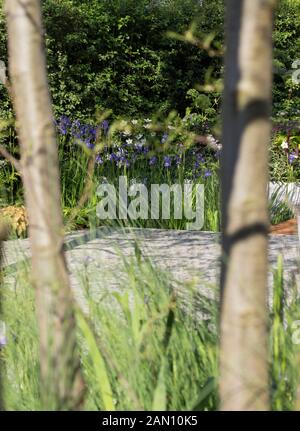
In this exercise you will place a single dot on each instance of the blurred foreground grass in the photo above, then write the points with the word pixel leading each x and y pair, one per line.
pixel 143 345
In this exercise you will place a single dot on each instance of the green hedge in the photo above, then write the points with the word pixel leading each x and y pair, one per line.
pixel 115 54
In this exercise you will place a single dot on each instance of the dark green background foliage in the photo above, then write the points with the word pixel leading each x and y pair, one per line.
pixel 287 50
pixel 115 54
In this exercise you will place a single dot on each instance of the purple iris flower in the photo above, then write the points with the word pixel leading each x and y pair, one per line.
pixel 178 160
pixel 152 160
pixel 99 159
pixel 167 161
pixel 139 148
pixel 292 157
pixel 76 129
pixel 90 145
pixel 164 138
pixel 207 173
pixel 200 158
pixel 105 126
pixel 113 157
pixel 93 132
pixel 64 124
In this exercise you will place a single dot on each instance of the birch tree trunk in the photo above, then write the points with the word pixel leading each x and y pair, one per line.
pixel 3 236
pixel 244 177
pixel 60 375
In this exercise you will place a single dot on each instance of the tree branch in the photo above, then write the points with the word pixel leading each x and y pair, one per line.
pixel 6 154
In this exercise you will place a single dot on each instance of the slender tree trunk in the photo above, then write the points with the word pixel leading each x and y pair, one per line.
pixel 3 236
pixel 246 134
pixel 59 359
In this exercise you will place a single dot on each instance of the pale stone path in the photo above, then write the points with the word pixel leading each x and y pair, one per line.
pixel 191 257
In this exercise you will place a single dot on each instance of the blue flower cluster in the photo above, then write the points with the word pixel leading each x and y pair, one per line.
pixel 83 132
pixel 130 147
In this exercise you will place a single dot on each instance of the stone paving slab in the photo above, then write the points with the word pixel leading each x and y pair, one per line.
pixel 191 257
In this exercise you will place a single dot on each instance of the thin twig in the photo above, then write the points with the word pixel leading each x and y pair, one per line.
pixel 6 154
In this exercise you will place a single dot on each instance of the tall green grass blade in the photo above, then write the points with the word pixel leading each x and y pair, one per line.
pixel 209 387
pixel 160 393
pixel 98 363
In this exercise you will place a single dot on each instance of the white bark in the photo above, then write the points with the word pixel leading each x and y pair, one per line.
pixel 55 308
pixel 3 237
pixel 243 356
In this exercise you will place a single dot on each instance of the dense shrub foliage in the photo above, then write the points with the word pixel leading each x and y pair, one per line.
pixel 287 51
pixel 118 55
